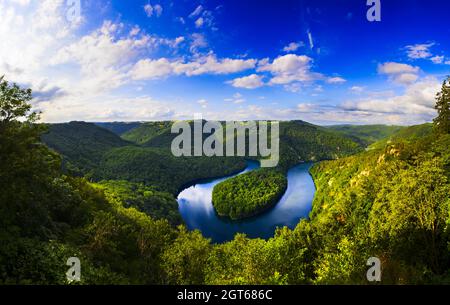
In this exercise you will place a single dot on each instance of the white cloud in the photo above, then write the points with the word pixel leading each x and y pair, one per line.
pixel 418 100
pixel 203 103
pixel 152 69
pixel 400 73
pixel 293 46
pixel 21 2
pixel 199 22
pixel 390 68
pixel 335 80
pixel 357 89
pixel 158 10
pixel 198 10
pixel 148 10
pixel 406 78
pixel 310 40
pixel 437 59
pixel 249 82
pixel 198 41
pixel 109 108
pixel 155 9
pixel 293 87
pixel 237 99
pixel 162 67
pixel 288 68
pixel 417 51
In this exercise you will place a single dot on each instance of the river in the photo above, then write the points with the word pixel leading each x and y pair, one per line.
pixel 195 206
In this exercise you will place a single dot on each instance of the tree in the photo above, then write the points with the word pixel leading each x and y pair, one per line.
pixel 442 121
pixel 14 103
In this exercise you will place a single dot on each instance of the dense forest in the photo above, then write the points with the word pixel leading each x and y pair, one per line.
pixel 249 194
pixel 391 201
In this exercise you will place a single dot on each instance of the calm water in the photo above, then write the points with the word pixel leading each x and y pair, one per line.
pixel 198 212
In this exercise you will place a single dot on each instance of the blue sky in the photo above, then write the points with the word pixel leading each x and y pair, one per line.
pixel 319 61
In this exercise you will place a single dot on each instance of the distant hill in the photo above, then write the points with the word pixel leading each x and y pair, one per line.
pixel 81 144
pixel 143 154
pixel 89 149
pixel 366 134
pixel 408 134
pixel 299 141
pixel 119 128
pixel 148 133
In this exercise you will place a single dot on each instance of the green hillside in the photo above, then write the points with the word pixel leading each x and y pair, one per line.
pixel 81 144
pixel 299 141
pixel 158 167
pixel 366 134
pixel 408 134
pixel 146 132
pixel 119 128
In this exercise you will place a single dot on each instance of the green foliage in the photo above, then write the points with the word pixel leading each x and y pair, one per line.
pixel 391 202
pixel 366 134
pixel 184 261
pixel 150 133
pixel 81 144
pixel 119 128
pixel 249 194
pixel 442 121
pixel 159 205
pixel 158 167
pixel 301 141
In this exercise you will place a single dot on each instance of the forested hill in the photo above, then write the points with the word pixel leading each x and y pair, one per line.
pixel 119 128
pixel 391 202
pixel 98 153
pixel 81 144
pixel 142 154
pixel 366 134
pixel 299 141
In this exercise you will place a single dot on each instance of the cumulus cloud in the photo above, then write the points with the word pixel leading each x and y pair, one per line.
pixel 162 67
pixel 293 46
pixel 400 73
pixel 110 108
pixel 249 82
pixel 289 68
pixel 418 100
